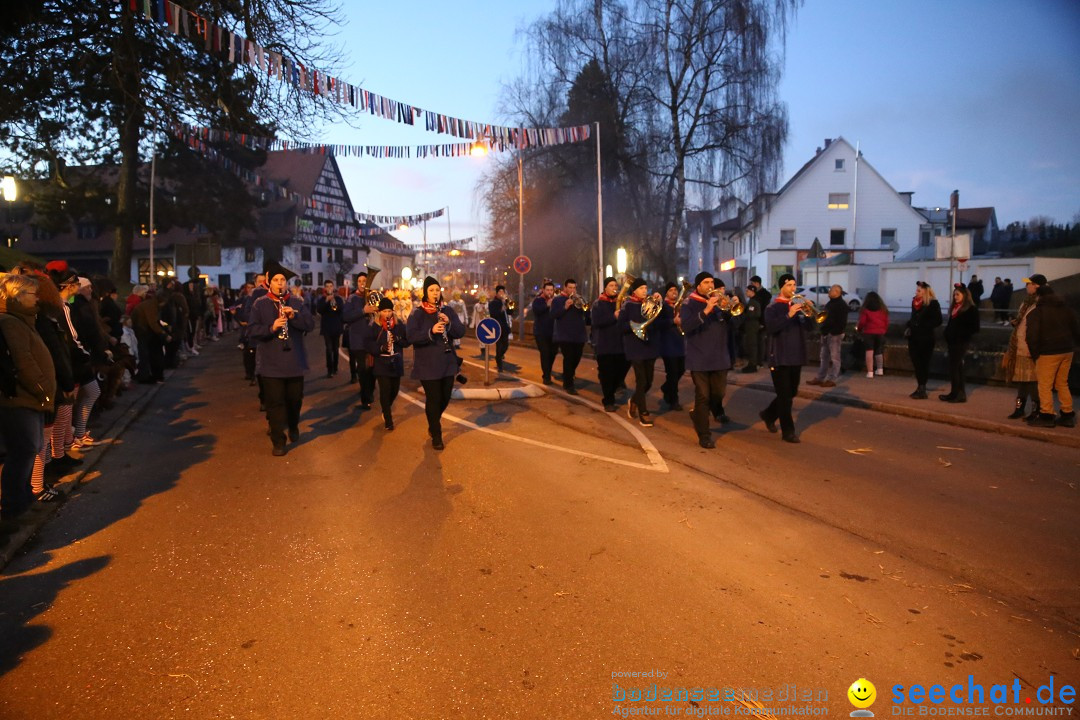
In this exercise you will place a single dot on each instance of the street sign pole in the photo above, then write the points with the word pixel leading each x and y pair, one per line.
pixel 487 364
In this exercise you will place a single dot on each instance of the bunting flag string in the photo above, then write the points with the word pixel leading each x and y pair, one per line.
pixel 241 51
pixel 400 219
pixel 255 142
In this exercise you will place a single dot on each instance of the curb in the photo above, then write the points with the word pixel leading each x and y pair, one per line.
pixel 1021 430
pixel 39 513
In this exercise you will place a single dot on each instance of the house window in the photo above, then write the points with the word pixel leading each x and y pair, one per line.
pixel 839 201
pixel 318 254
pixel 924 237
pixel 339 255
pixel 320 279
pixel 305 253
pixel 888 237
pixel 249 254
pixel 787 237
pixel 840 164
pixel 836 237
pixel 306 279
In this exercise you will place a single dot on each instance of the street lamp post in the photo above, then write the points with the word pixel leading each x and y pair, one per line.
pixel 153 167
pixel 599 212
pixel 521 248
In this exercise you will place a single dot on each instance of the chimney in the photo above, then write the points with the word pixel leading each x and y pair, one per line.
pixel 828 142
pixel 907 196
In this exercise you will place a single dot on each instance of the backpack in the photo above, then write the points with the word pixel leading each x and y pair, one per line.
pixel 9 376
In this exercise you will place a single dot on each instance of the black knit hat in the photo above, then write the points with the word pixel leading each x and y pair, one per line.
pixel 609 280
pixel 428 282
pixel 702 277
pixel 669 286
pixel 636 284
pixel 386 304
pixel 275 268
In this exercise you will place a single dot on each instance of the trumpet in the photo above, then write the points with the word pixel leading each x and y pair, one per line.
pixel 511 305
pixel 579 302
pixel 809 309
pixel 729 302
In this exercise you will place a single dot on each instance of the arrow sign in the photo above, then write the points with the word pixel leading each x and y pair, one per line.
pixel 489 331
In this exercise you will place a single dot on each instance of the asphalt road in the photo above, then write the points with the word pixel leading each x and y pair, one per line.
pixel 526 570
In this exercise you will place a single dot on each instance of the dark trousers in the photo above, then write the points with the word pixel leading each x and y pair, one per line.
pixel 151 357
pixel 354 362
pixel 674 367
pixel 436 398
pixel 283 398
pixel 23 431
pixel 249 362
pixel 358 359
pixel 571 356
pixel 957 353
pixel 333 344
pixel 611 369
pixel 752 347
pixel 547 355
pixel 500 349
pixel 643 375
pixel 921 350
pixel 709 389
pixel 785 380
pixel 388 390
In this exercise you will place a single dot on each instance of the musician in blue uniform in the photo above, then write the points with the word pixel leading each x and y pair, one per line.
pixel 607 343
pixel 544 329
pixel 672 346
pixel 431 331
pixel 358 314
pixel 642 354
pixel 708 352
pixel 569 333
pixel 330 307
pixel 499 310
pixel 385 342
pixel 277 325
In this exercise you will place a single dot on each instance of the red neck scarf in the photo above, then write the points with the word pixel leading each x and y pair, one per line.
pixel 279 299
pixel 360 292
pixel 700 298
pixel 388 325
pixel 917 303
pixel 955 309
pixel 604 297
pixel 631 298
pixel 780 299
pixel 429 308
pixel 670 302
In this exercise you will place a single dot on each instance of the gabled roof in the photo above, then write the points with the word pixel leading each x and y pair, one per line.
pixel 297 171
pixel 974 217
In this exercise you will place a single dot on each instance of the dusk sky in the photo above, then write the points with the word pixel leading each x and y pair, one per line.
pixel 982 96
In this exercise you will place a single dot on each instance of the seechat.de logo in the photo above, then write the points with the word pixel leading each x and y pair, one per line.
pixel 862 695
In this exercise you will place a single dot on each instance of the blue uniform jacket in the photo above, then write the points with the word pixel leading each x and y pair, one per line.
pixel 635 349
pixel 786 335
pixel 357 319
pixel 543 320
pixel 376 343
pixel 431 359
pixel 569 322
pixel 497 309
pixel 606 335
pixel 708 337
pixel 271 357
pixel 331 309
pixel 672 343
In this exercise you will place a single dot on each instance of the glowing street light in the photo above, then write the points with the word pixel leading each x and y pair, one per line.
pixel 7 185
pixel 607 271
pixel 406 274
pixel 620 260
pixel 479 147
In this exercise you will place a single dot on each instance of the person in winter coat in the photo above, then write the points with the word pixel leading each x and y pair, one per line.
pixel 606 341
pixel 1017 361
pixel 785 325
pixel 431 331
pixel 29 392
pixel 386 342
pixel 872 326
pixel 708 353
pixel 331 308
pixel 642 354
pixel 925 317
pixel 963 324
pixel 1052 336
pixel 832 335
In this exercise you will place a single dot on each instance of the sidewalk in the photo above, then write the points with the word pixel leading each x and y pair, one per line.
pixel 987 407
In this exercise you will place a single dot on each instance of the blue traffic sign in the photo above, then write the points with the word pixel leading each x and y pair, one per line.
pixel 489 331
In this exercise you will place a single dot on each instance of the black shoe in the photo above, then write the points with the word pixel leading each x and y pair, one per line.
pixel 645 419
pixel 946 398
pixel 389 424
pixel 461 379
pixel 294 434
pixel 329 375
pixel 352 379
pixel 770 425
pixel 437 443
pixel 610 407
pixel 1017 413
pixel 960 398
pixel 723 418
pixel 571 391
pixel 706 442
pixel 279 450
pixel 365 406
pixel 547 381
pixel 1043 421
pixel 919 394
pixel 675 405
pixel 1066 420
pixel 791 438
pixel 749 369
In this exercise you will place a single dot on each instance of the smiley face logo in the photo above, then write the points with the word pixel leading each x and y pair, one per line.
pixel 862 693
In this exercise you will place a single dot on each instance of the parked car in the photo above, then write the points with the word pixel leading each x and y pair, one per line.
pixel 819 295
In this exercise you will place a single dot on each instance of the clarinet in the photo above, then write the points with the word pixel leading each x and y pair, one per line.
pixel 445 337
pixel 283 333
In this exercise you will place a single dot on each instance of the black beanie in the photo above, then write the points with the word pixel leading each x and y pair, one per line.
pixel 386 304
pixel 428 282
pixel 702 277
pixel 636 284
pixel 669 286
pixel 609 280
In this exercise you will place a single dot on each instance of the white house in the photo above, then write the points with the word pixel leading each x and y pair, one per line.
pixel 837 199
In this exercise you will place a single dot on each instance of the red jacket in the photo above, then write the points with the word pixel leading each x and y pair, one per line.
pixel 132 301
pixel 873 322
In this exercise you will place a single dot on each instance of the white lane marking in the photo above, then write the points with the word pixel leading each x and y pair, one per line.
pixel 529 441
pixel 655 458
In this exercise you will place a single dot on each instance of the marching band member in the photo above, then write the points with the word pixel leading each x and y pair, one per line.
pixel 786 326
pixel 358 314
pixel 569 333
pixel 431 330
pixel 607 343
pixel 642 354
pixel 499 310
pixel 280 361
pixel 544 328
pixel 672 347
pixel 330 306
pixel 386 341
pixel 708 353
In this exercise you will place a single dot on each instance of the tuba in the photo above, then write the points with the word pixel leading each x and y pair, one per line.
pixel 686 287
pixel 650 310
pixel 628 280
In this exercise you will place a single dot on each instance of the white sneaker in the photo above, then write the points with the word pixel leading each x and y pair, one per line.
pixel 870 374
pixel 879 371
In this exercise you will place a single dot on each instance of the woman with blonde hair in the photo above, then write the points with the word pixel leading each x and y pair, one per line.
pixel 925 318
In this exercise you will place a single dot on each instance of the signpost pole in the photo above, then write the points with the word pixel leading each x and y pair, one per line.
pixel 487 364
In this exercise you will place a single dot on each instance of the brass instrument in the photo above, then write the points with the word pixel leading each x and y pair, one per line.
pixel 729 302
pixel 579 302
pixel 809 309
pixel 628 280
pixel 511 305
pixel 650 310
pixel 370 274
pixel 374 297
pixel 686 287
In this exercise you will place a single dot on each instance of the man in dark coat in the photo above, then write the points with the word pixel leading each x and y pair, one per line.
pixel 976 289
pixel 708 352
pixel 1052 336
pixel 641 353
pixel 569 333
pixel 752 319
pixel 672 347
pixel 499 310
pixel 544 329
pixel 607 343
pixel 832 334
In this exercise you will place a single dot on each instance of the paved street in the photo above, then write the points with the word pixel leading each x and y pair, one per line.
pixel 551 550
